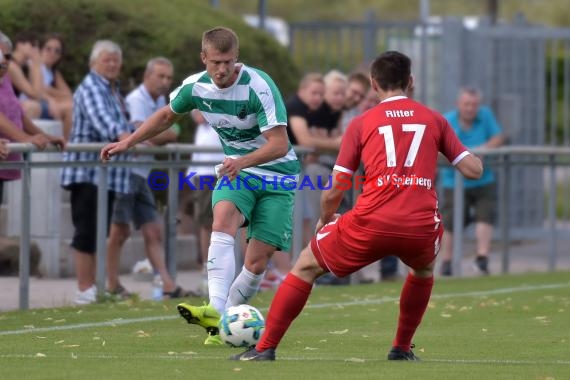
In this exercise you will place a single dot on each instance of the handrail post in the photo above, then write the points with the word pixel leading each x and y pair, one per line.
pixel 171 217
pixel 24 265
pixel 102 226
pixel 505 210
pixel 458 217
pixel 552 213
pixel 298 224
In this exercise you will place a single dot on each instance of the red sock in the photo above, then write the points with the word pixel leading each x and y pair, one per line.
pixel 413 304
pixel 288 302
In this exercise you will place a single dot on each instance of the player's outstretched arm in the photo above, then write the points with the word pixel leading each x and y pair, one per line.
pixel 158 122
pixel 155 124
pixel 470 166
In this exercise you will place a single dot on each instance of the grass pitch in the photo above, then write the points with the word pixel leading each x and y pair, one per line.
pixel 499 327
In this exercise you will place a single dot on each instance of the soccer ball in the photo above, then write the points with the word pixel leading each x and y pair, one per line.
pixel 241 326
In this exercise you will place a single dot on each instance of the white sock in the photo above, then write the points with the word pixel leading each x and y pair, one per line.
pixel 245 286
pixel 221 269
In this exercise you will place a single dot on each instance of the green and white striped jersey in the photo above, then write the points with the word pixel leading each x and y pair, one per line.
pixel 239 114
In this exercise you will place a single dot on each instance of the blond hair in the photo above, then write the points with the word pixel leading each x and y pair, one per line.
pixel 334 76
pixel 220 38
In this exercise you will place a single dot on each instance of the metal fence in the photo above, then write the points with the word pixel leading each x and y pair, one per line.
pixel 347 46
pixel 505 159
pixel 523 71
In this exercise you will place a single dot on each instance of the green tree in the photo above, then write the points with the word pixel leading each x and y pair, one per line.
pixel 143 29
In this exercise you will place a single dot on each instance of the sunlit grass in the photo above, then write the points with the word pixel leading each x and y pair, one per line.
pixel 508 327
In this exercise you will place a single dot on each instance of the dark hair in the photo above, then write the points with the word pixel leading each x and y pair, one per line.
pixel 221 39
pixel 23 37
pixel 57 37
pixel 362 78
pixel 391 70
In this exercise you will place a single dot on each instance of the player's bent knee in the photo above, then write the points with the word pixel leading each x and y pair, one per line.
pixel 307 267
pixel 227 218
pixel 425 271
pixel 257 260
pixel 257 267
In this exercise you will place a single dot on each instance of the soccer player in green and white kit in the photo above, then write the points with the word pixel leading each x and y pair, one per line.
pixel 247 111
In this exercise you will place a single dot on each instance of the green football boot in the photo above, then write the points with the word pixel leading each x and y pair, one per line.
pixel 214 340
pixel 206 316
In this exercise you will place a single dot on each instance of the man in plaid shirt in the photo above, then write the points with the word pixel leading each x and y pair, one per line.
pixel 99 115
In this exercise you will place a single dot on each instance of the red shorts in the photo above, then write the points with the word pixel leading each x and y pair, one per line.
pixel 342 249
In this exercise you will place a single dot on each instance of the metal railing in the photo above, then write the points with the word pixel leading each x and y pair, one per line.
pixel 507 157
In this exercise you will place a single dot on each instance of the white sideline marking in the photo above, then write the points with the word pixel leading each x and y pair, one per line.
pixel 179 356
pixel 494 361
pixel 374 301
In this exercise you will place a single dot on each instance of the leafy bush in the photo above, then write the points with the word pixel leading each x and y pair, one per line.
pixel 143 29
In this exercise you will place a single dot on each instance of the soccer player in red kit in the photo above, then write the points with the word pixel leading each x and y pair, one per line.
pixel 398 142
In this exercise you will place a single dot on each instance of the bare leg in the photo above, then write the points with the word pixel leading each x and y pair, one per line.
pixel 84 269
pixel 446 251
pixel 243 240
pixel 153 246
pixel 205 233
pixel 308 231
pixel 118 235
pixel 282 262
pixel 484 234
pixel 257 256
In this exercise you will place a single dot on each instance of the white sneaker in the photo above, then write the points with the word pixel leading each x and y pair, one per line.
pixel 87 296
pixel 142 271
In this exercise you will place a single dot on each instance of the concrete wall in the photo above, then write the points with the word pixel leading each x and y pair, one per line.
pixel 50 220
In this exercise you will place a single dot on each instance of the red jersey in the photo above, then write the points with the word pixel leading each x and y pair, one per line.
pixel 398 143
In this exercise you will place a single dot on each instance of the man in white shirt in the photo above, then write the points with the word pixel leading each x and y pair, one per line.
pixel 138 207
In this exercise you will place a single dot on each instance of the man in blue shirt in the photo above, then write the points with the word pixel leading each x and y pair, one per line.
pixel 476 127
